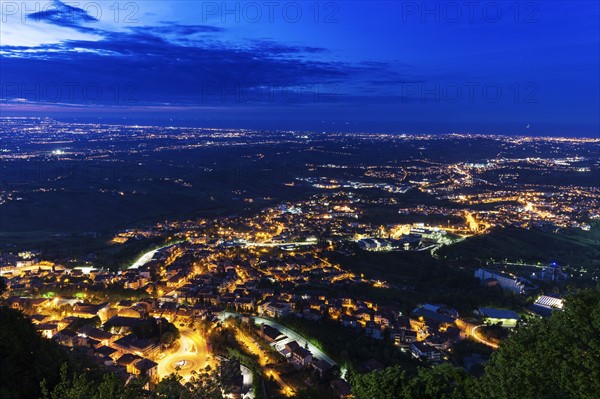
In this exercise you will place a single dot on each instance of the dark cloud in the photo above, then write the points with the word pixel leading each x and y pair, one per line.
pixel 62 14
pixel 163 71
pixel 171 63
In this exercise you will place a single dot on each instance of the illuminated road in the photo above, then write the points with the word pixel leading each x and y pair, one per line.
pixel 142 260
pixel 147 257
pixel 481 339
pixel 254 348
pixel 292 336
pixel 30 268
pixel 285 387
pixel 192 355
pixel 280 244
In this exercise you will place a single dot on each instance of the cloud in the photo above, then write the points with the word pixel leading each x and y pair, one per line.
pixel 157 66
pixel 184 65
pixel 62 14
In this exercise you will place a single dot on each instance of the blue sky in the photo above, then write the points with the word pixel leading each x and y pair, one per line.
pixel 528 67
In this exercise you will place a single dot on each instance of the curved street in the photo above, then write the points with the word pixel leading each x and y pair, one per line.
pixel 479 338
pixel 147 256
pixel 263 360
pixel 192 355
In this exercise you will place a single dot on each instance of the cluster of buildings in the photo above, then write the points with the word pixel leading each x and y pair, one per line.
pixel 104 333
pixel 260 265
pixel 264 265
pixel 509 282
pixel 296 353
pixel 432 332
pixel 517 284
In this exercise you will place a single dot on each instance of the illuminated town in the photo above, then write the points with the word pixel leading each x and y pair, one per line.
pixel 299 199
pixel 269 277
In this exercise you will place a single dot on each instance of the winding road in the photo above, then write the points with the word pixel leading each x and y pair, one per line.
pixel 147 256
pixel 192 355
pixel 479 338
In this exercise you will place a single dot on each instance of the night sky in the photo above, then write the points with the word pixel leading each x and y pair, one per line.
pixel 528 67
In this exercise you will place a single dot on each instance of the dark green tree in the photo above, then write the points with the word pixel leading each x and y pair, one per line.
pixel 25 357
pixel 76 386
pixel 443 381
pixel 558 357
pixel 171 387
pixel 384 384
pixel 81 386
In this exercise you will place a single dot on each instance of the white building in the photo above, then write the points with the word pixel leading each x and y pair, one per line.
pixel 549 302
pixel 277 309
pixel 504 280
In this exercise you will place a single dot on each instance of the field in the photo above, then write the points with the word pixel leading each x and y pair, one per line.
pixel 574 248
pixel 417 278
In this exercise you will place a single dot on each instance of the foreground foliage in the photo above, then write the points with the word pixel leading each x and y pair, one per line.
pixel 551 358
pixel 25 357
pixel 444 381
pixel 80 386
pixel 554 358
